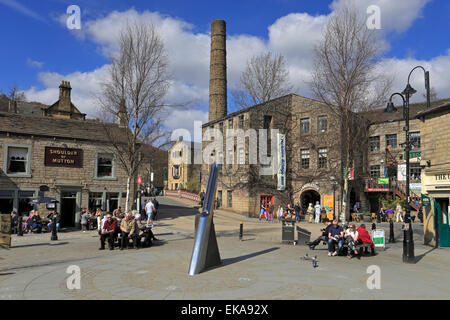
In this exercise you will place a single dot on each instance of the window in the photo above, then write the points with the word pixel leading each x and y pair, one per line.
pixel 304 125
pixel 374 171
pixel 322 123
pixel 17 160
pixel 391 139
pixel 230 199
pixel 105 165
pixel 221 127
pixel 241 122
pixel 414 138
pixel 211 133
pixel 374 144
pixel 415 172
pixel 304 158
pixel 230 124
pixel 322 158
pixel 241 156
pixel 176 172
pixel 230 159
pixel 96 201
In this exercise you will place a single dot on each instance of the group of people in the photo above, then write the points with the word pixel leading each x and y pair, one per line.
pixel 34 222
pixel 397 214
pixel 316 213
pixel 335 235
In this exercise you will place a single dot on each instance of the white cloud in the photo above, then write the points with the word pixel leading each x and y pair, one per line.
pixel 34 64
pixel 293 36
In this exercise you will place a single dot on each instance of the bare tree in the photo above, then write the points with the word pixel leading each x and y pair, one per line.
pixel 134 91
pixel 265 78
pixel 433 94
pixel 345 78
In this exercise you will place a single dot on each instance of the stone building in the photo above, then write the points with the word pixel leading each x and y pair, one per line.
pixel 385 159
pixel 435 129
pixel 184 168
pixel 63 150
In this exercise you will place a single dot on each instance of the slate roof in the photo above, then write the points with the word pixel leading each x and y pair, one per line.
pixel 31 124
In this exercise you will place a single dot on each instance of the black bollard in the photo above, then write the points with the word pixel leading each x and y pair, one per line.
pixel 374 226
pixel 19 226
pixel 54 234
pixel 408 242
pixel 241 230
pixel 391 231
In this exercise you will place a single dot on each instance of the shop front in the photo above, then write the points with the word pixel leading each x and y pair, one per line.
pixel 436 207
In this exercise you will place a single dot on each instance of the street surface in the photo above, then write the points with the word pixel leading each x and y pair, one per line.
pixel 259 267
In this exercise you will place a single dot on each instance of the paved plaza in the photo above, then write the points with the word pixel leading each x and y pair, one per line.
pixel 259 267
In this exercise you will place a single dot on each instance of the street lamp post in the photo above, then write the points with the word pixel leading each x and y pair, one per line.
pixel 408 242
pixel 333 181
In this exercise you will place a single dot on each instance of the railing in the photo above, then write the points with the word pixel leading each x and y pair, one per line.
pixel 400 190
pixel 182 194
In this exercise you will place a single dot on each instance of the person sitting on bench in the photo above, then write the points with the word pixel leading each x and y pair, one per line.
pixel 351 238
pixel 323 237
pixel 364 237
pixel 335 235
pixel 128 227
pixel 108 230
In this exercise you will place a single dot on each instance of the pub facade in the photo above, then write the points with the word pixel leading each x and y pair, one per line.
pixel 64 151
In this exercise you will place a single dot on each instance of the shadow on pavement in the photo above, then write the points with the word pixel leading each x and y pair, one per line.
pixel 41 244
pixel 420 257
pixel 7 273
pixel 228 261
pixel 172 211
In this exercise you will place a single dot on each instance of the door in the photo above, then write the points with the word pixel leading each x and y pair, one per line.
pixel 266 201
pixel 219 198
pixel 441 213
pixel 68 208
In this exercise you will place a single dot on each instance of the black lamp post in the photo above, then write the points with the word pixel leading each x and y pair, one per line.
pixel 54 236
pixel 408 242
pixel 333 180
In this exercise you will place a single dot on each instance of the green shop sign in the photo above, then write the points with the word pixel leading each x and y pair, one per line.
pixel 383 180
pixel 426 201
pixel 413 154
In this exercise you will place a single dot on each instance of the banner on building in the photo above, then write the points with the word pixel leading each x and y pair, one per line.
pixel 401 172
pixel 425 201
pixel 383 180
pixel 351 175
pixel 281 173
pixel 328 201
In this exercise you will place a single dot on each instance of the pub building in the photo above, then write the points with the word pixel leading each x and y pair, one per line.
pixel 56 146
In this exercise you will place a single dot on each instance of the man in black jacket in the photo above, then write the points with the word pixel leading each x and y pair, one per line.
pixel 323 237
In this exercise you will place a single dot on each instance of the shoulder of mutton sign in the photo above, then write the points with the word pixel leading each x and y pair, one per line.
pixel 63 157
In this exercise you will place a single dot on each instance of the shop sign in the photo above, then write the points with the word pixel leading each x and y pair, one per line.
pixel 63 157
pixel 425 201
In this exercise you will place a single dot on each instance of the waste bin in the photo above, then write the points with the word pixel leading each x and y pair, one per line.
pixel 303 235
pixel 287 230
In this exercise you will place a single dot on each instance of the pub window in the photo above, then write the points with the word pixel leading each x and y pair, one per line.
pixel 414 137
pixel 304 125
pixel 176 172
pixel 322 158
pixel 305 158
pixel 322 123
pixel 374 171
pixel 391 140
pixel 105 165
pixel 230 199
pixel 17 159
pixel 374 144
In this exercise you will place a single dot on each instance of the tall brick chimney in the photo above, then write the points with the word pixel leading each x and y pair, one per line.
pixel 64 96
pixel 218 71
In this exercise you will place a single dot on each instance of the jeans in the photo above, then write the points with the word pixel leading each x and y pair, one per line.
pixel 331 244
pixel 36 226
pixel 296 216
pixel 50 226
pixel 270 217
pixel 351 245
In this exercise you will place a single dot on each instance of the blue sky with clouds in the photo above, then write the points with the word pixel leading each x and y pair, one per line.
pixel 38 50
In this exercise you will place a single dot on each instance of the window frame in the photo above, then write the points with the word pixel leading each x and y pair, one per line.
pixel 324 117
pixel 320 163
pixel 372 170
pixel 416 138
pixel 27 173
pixel 301 126
pixel 302 158
pixel 113 166
pixel 371 142
pixel 396 140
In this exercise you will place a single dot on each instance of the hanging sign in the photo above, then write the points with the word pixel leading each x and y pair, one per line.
pixel 281 162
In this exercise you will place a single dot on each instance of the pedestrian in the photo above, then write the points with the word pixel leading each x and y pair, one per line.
pixel 150 211
pixel 99 216
pixel 156 204
pixel 270 212
pixel 317 210
pixel 14 220
pixel 310 212
pixel 84 219
pixel 420 213
pixel 398 213
pixel 289 210
pixel 297 211
pixel 262 212
pixel 280 212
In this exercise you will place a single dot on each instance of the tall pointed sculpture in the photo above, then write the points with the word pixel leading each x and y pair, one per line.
pixel 206 252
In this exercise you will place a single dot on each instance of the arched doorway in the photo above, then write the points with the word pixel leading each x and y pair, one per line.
pixel 307 197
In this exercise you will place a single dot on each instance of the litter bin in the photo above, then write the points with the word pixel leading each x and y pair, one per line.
pixel 287 230
pixel 303 235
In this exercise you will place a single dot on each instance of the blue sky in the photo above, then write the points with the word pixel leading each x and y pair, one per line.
pixel 38 50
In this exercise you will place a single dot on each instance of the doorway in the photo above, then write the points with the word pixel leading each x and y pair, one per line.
pixel 266 200
pixel 307 197
pixel 68 208
pixel 441 208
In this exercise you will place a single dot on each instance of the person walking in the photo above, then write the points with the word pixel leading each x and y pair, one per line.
pixel 270 212
pixel 84 220
pixel 398 213
pixel 310 212
pixel 317 212
pixel 297 211
pixel 280 212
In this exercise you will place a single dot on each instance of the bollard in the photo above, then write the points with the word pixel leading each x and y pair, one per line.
pixel 19 227
pixel 241 230
pixel 374 226
pixel 391 231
